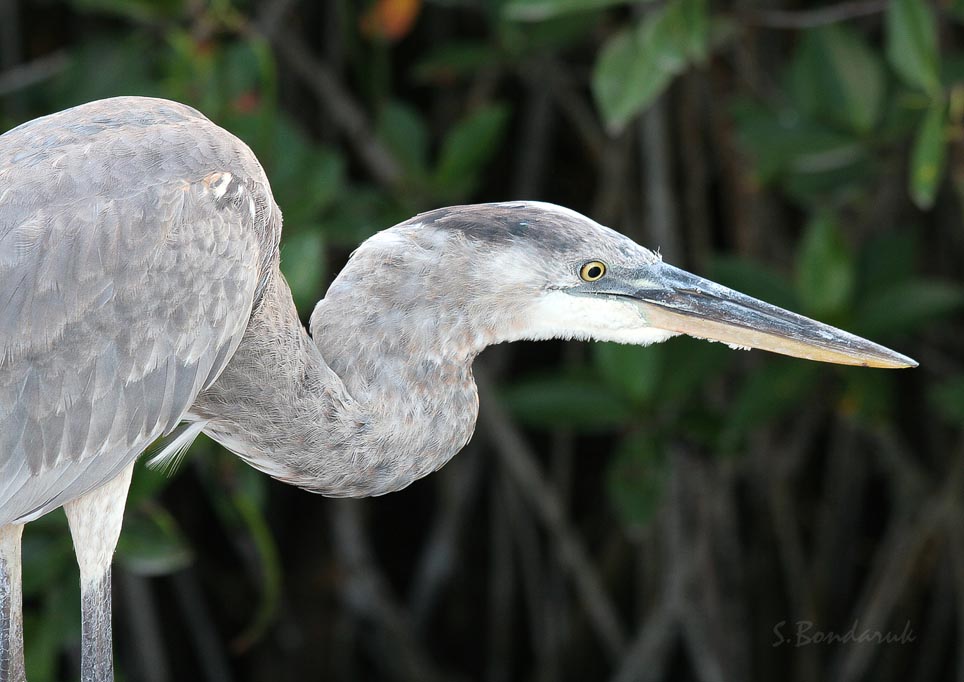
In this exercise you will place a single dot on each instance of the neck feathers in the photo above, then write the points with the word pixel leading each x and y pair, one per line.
pixel 365 407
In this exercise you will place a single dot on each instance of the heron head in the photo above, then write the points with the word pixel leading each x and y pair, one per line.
pixel 471 276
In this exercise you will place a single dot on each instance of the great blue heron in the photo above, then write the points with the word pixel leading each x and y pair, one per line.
pixel 140 289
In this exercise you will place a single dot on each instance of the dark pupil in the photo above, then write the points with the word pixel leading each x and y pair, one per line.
pixel 594 272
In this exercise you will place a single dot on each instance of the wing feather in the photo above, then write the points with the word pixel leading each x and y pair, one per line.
pixel 126 284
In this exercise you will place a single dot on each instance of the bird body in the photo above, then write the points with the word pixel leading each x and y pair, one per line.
pixel 141 289
pixel 130 259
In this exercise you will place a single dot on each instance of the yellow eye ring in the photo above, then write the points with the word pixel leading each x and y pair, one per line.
pixel 592 271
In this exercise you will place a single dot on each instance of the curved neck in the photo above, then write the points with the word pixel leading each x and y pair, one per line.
pixel 361 409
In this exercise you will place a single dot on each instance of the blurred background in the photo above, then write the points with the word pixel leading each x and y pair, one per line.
pixel 682 512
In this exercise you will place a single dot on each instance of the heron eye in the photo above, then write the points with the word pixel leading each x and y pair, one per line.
pixel 592 271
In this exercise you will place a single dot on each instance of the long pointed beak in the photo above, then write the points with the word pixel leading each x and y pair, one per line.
pixel 676 301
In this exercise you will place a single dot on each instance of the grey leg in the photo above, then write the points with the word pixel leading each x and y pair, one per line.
pixel 96 654
pixel 95 523
pixel 11 606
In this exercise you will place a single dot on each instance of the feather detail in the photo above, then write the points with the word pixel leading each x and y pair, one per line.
pixel 174 447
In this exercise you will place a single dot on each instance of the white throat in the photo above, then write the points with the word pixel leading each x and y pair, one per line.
pixel 564 316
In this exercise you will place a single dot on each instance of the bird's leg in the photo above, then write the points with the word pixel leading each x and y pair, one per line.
pixel 95 523
pixel 11 614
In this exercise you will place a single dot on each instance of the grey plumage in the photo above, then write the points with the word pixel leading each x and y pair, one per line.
pixel 126 286
pixel 140 287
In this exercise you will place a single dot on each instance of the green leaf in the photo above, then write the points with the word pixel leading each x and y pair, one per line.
pixel 306 178
pixel 691 20
pixel 240 70
pixel 404 133
pixel 912 43
pixel 361 211
pixel 249 502
pixel 907 306
pixel 947 399
pixel 929 155
pixel 636 479
pixel 784 142
pixel 625 79
pixel 518 40
pixel 151 543
pixel 886 260
pixel 694 362
pixel 815 164
pixel 42 643
pixel 145 11
pixel 837 77
pixel 632 370
pixel 583 404
pixel 303 265
pixel 870 395
pixel 445 63
pixel 251 488
pixel 48 556
pixel 119 68
pixel 754 279
pixel 147 483
pixel 541 10
pixel 770 392
pixel 825 268
pixel 955 9
pixel 57 625
pixel 468 147
pixel 841 185
pixel 635 66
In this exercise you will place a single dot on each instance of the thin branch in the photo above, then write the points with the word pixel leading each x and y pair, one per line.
pixel 909 478
pixel 519 461
pixel 10 33
pixel 457 486
pixel 956 542
pixel 698 639
pixel 843 493
pixel 699 614
pixel 557 606
pixel 534 143
pixel 345 113
pixel 552 77
pixel 368 594
pixel 692 120
pixel 811 18
pixel 523 530
pixel 895 561
pixel 202 633
pixel 643 661
pixel 40 69
pixel 938 632
pixel 656 159
pixel 271 15
pixel 724 530
pixel 140 608
pixel 610 196
pixel 501 591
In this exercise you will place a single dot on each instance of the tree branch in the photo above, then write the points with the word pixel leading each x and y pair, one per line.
pixel 346 114
pixel 811 18
pixel 519 461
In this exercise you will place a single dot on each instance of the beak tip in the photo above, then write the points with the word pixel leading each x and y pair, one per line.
pixel 897 361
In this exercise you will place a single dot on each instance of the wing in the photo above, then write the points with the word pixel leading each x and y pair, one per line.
pixel 134 239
